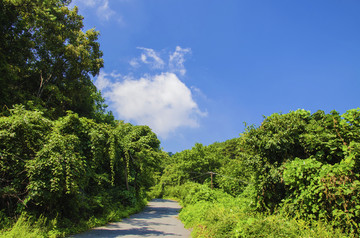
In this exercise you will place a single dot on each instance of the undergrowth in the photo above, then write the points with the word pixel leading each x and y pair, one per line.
pixel 213 213
pixel 28 226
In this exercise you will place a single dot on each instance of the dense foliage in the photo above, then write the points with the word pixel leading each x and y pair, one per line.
pixel 300 164
pixel 65 163
pixel 214 213
pixel 47 59
pixel 64 160
pixel 73 168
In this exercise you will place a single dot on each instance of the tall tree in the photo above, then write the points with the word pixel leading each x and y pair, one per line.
pixel 47 58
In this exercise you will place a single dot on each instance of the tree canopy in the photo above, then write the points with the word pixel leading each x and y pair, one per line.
pixel 47 58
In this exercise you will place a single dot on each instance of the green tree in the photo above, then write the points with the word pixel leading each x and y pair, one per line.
pixel 268 147
pixel 327 184
pixel 192 165
pixel 47 58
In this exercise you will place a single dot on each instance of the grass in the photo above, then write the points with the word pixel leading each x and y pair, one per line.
pixel 213 213
pixel 27 226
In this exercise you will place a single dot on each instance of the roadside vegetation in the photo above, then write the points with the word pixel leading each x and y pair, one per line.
pixel 296 175
pixel 72 173
pixel 67 165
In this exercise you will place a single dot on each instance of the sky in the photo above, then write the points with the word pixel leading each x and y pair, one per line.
pixel 196 70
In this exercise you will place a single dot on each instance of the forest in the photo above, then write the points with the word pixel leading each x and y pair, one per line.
pixel 67 165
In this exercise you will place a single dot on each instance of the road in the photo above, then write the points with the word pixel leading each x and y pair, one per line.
pixel 158 219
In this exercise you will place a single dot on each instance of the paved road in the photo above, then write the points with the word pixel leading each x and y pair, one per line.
pixel 157 220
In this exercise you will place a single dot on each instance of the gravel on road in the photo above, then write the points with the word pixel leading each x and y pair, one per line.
pixel 158 219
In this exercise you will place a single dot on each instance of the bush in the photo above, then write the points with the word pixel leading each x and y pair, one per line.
pixel 277 225
pixel 213 213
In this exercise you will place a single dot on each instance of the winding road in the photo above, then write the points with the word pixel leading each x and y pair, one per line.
pixel 158 219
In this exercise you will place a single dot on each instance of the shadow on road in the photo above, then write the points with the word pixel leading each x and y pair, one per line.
pixel 113 233
pixel 158 219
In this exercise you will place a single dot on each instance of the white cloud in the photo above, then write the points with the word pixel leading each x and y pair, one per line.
pixel 198 92
pixel 104 11
pixel 102 7
pixel 89 3
pixel 161 101
pixel 102 82
pixel 152 58
pixel 134 63
pixel 177 59
pixel 158 99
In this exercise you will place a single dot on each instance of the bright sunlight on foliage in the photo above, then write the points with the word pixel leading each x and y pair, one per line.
pixel 67 165
pixel 297 175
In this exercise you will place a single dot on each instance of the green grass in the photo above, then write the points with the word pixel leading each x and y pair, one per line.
pixel 213 213
pixel 27 226
pixel 230 219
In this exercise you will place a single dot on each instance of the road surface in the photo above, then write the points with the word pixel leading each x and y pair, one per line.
pixel 159 219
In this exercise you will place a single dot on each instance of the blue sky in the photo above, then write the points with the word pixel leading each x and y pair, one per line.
pixel 195 70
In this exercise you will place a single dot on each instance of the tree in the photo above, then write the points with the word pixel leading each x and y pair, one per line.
pixel 45 57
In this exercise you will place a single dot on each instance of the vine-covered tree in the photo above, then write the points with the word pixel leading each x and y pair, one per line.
pixel 72 166
pixel 55 159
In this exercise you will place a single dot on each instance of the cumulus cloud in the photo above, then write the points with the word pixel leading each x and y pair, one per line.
pixel 102 82
pixel 161 101
pixel 158 99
